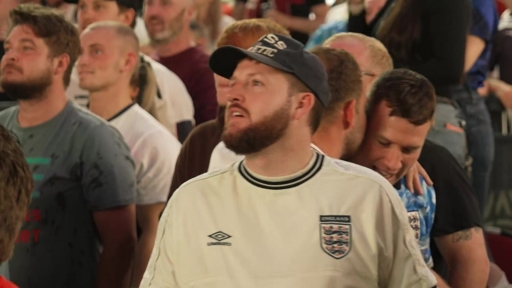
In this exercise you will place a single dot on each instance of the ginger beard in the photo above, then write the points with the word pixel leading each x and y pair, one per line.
pixel 258 135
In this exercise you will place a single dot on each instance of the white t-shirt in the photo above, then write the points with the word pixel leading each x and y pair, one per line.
pixel 334 224
pixel 173 103
pixel 154 151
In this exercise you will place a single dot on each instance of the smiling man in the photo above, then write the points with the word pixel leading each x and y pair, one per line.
pixel 285 216
pixel 173 106
pixel 400 110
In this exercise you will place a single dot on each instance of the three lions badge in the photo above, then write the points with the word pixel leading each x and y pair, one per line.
pixel 335 235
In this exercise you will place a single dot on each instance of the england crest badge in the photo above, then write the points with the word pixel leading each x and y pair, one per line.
pixel 335 235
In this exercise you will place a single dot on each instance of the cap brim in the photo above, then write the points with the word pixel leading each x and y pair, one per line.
pixel 225 59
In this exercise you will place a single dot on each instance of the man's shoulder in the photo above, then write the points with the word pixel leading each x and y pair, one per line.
pixel 361 173
pixel 161 72
pixel 209 130
pixel 149 130
pixel 90 126
pixel 200 184
pixel 7 113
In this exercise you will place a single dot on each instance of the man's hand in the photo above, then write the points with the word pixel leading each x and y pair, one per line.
pixel 412 178
pixel 502 90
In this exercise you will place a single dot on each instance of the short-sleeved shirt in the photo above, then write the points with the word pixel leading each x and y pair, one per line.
pixel 153 149
pixel 80 165
pixel 333 224
pixel 174 108
pixel 192 67
pixel 456 205
pixel 484 24
pixel 421 211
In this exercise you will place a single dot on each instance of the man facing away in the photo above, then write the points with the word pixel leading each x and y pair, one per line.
pixel 240 227
pixel 80 229
pixel 109 59
pixel 170 102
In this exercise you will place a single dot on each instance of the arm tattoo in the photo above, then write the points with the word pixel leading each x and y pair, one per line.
pixel 464 235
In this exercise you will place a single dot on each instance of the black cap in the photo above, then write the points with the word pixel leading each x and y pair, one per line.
pixel 133 4
pixel 282 53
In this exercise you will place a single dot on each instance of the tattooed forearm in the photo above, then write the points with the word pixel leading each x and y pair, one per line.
pixel 465 235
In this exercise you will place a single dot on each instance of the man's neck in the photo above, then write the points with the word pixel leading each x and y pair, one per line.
pixel 281 159
pixel 108 102
pixel 329 140
pixel 176 46
pixel 37 111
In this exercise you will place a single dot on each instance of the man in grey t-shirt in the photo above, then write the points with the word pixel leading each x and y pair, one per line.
pixel 80 227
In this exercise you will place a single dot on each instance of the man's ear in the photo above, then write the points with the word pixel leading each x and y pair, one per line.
pixel 304 105
pixel 60 64
pixel 128 16
pixel 130 62
pixel 349 114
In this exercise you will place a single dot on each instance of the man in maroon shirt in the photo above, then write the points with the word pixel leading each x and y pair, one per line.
pixel 168 26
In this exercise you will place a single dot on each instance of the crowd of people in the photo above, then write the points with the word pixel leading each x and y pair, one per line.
pixel 163 143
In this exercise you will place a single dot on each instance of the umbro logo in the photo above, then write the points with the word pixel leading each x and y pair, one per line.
pixel 219 236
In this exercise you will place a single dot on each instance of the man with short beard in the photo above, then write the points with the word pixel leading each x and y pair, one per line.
pixel 168 25
pixel 80 227
pixel 281 217
pixel 196 155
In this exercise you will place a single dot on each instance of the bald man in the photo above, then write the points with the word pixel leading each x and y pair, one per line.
pixel 109 59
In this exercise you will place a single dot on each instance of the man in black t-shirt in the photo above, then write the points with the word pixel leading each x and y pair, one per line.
pixel 292 14
pixel 458 244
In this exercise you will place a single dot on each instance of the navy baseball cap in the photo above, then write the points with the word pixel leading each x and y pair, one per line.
pixel 282 53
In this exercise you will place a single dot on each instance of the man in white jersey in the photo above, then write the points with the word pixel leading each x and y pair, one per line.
pixel 172 103
pixel 109 58
pixel 285 216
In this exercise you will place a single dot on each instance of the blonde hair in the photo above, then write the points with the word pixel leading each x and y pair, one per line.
pixel 379 55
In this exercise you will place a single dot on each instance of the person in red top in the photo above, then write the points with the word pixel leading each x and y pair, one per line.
pixel 168 26
pixel 16 182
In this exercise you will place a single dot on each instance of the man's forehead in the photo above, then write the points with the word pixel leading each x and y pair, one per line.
pixel 250 66
pixel 101 36
pixel 20 32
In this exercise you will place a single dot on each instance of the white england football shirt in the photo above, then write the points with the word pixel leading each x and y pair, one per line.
pixel 154 151
pixel 173 103
pixel 334 224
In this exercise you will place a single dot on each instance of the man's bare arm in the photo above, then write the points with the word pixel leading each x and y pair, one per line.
pixel 466 257
pixel 147 218
pixel 118 236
